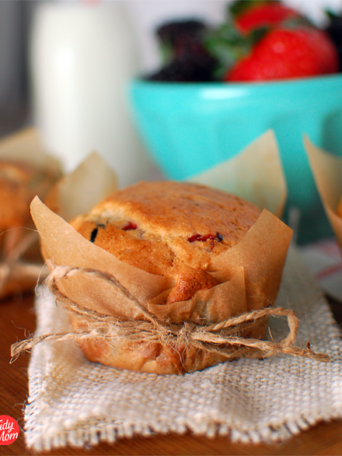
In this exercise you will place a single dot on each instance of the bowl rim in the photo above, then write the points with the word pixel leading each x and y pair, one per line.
pixel 258 85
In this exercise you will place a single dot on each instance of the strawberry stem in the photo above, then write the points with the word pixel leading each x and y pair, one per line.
pixel 241 6
pixel 227 45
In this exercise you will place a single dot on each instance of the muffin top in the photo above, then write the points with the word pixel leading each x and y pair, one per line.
pixel 169 228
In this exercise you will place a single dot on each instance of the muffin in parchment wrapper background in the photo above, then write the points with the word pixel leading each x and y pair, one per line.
pixel 248 274
pixel 26 170
pixel 327 171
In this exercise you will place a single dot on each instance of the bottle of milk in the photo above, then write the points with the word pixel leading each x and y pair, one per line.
pixel 82 58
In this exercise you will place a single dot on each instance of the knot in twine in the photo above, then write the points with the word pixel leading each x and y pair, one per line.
pixel 223 338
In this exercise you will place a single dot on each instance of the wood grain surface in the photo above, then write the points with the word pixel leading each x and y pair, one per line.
pixel 17 320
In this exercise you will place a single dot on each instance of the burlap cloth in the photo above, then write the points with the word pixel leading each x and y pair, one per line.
pixel 72 401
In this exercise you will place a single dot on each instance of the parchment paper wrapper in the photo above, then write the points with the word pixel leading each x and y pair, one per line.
pixel 327 172
pixel 250 273
pixel 78 192
pixel 255 174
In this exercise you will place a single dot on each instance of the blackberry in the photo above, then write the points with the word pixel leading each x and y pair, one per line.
pixel 334 30
pixel 188 60
pixel 177 32
pixel 185 70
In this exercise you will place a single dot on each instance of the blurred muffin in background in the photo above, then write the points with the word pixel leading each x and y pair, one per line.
pixel 26 170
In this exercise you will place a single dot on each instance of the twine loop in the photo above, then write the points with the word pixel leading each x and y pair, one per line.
pixel 224 338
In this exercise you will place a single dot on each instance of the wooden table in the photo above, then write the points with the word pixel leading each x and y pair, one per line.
pixel 18 314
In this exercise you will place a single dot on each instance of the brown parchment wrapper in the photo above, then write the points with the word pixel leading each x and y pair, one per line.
pixel 79 191
pixel 250 273
pixel 255 174
pixel 327 172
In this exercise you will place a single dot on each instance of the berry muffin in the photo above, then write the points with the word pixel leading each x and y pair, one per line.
pixel 173 230
pixel 170 229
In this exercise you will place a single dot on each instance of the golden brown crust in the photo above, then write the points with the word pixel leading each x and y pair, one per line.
pixel 170 229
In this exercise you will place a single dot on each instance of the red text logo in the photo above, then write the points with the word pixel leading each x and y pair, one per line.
pixel 9 430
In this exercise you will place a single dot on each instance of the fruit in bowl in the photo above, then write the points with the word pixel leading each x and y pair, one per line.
pixel 261 41
pixel 287 53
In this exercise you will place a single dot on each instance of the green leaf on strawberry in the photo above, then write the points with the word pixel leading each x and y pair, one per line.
pixel 241 6
pixel 227 45
pixel 250 15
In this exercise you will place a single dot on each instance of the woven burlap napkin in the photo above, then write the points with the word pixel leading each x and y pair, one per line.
pixel 72 401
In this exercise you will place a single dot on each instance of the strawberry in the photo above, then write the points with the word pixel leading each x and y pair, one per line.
pixel 257 14
pixel 287 53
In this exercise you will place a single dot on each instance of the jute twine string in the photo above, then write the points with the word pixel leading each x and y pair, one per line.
pixel 223 338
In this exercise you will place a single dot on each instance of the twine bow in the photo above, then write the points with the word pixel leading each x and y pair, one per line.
pixel 223 338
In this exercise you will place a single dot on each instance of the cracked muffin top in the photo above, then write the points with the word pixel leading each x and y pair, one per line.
pixel 169 228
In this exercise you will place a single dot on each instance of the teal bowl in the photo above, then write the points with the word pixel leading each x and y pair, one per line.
pixel 189 128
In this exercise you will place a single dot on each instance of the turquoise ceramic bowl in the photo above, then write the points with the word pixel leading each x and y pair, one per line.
pixel 188 128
